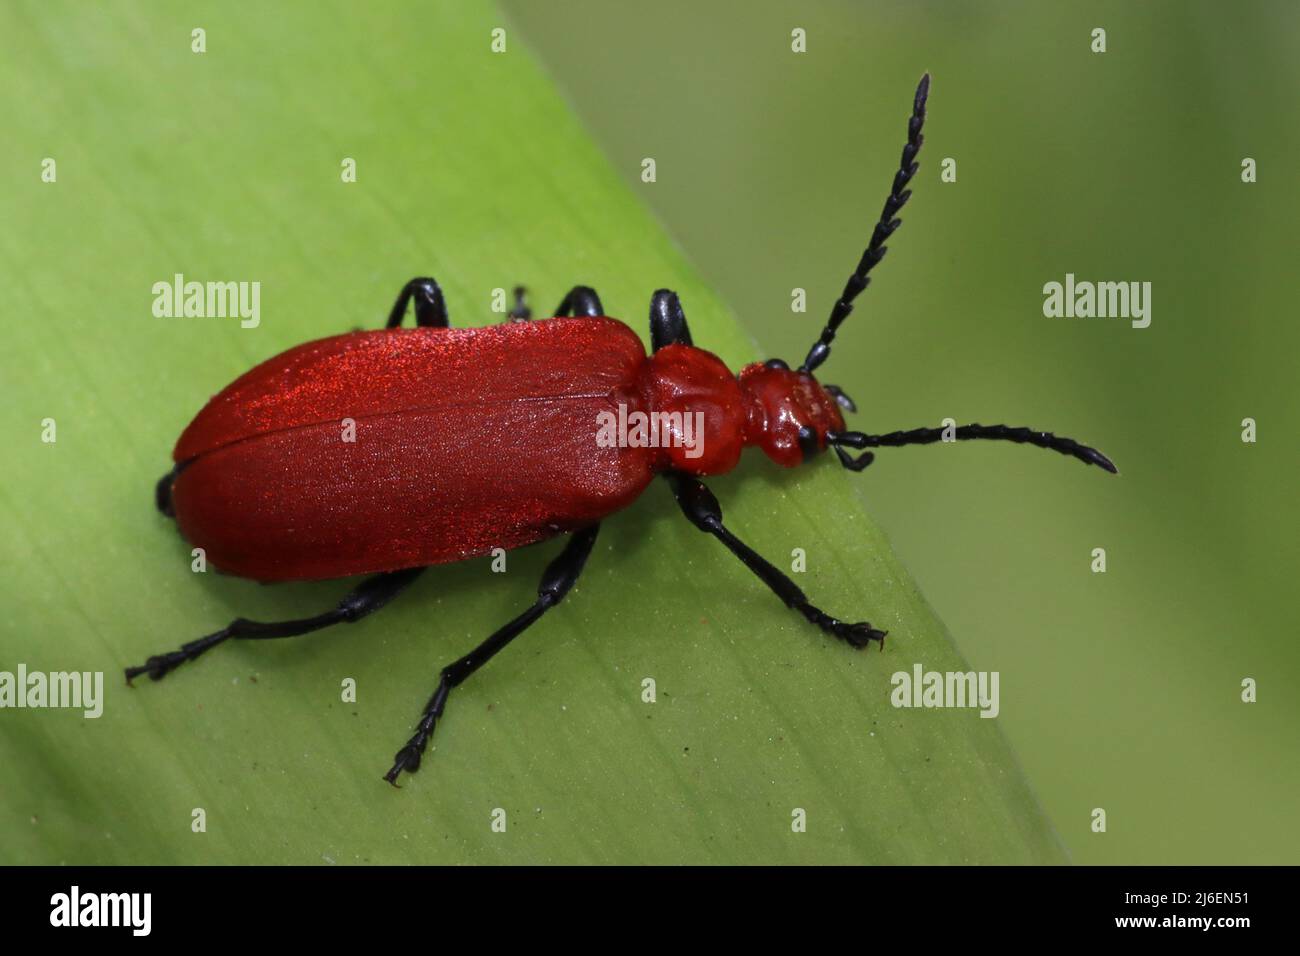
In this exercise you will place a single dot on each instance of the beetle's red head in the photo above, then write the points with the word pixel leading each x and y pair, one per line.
pixel 788 413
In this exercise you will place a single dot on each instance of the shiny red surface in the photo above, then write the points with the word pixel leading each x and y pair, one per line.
pixel 686 380
pixel 466 440
pixel 779 402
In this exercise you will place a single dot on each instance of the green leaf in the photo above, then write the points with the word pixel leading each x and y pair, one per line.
pixel 226 165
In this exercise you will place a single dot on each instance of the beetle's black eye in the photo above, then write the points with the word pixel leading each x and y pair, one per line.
pixel 808 443
pixel 841 399
pixel 776 363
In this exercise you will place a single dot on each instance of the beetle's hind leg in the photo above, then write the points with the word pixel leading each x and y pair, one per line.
pixel 580 300
pixel 368 597
pixel 559 576
pixel 430 308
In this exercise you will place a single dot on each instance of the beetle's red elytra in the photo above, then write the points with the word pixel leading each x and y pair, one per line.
pixel 468 440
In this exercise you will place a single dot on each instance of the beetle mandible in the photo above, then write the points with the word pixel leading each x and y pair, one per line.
pixel 477 439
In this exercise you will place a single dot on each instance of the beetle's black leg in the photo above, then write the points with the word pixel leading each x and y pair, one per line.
pixel 430 309
pixel 557 579
pixel 520 311
pixel 162 492
pixel 368 597
pixel 701 507
pixel 667 321
pixel 581 300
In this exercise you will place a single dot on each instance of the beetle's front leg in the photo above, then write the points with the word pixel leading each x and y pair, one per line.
pixel 703 510
pixel 668 321
pixel 559 576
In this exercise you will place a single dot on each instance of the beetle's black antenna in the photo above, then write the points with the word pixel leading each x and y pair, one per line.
pixel 875 251
pixel 927 436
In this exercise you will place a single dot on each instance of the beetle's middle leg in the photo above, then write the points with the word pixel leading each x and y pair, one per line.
pixel 369 596
pixel 559 576
pixel 703 510
pixel 580 300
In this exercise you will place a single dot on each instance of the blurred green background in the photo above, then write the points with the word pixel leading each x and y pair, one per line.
pixel 1120 690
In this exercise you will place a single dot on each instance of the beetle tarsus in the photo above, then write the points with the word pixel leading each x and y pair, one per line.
pixel 407 759
pixel 160 665
pixel 156 667
pixel 859 635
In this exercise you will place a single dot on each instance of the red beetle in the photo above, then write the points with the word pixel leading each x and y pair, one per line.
pixel 467 440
